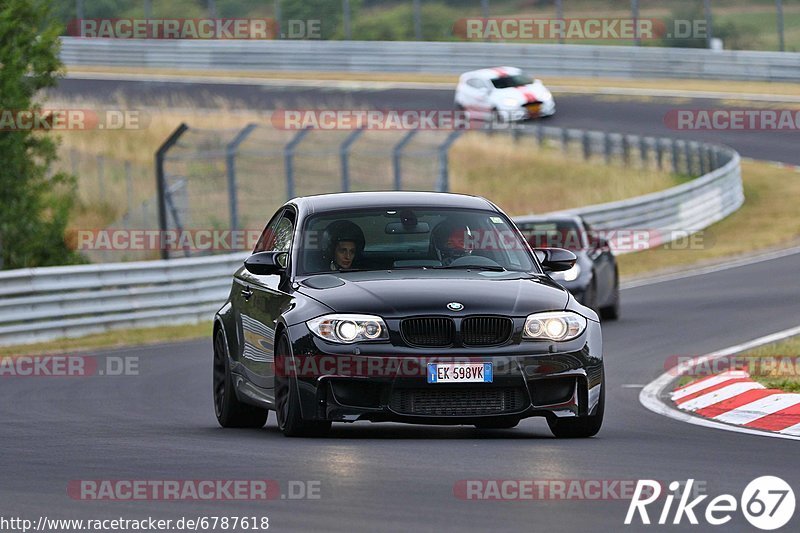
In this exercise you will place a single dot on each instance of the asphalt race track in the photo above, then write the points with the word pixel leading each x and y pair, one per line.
pixel 159 425
pixel 618 114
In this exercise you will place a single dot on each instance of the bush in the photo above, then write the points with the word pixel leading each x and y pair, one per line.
pixel 35 204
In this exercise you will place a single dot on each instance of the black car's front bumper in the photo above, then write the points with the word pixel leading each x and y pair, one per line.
pixel 381 382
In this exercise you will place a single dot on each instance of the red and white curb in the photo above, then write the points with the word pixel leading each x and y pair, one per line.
pixel 656 396
pixel 734 398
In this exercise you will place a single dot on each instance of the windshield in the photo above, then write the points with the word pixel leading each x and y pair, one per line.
pixel 517 80
pixel 411 238
pixel 553 234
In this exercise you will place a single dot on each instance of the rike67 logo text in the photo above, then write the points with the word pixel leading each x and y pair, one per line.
pixel 767 503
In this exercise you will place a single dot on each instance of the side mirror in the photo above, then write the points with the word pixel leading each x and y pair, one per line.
pixel 265 263
pixel 555 259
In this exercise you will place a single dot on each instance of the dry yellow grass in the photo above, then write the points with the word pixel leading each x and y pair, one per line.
pixel 523 178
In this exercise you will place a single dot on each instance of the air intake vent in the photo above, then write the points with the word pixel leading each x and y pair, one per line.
pixel 458 402
pixel 486 330
pixel 428 331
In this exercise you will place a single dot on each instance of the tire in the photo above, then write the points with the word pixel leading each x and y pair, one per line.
pixel 497 119
pixel 612 312
pixel 580 427
pixel 230 412
pixel 287 401
pixel 497 424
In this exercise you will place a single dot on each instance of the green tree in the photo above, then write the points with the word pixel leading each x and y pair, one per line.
pixel 34 202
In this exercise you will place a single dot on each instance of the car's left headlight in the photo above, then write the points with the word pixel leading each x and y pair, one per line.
pixel 510 102
pixel 554 326
pixel 567 275
pixel 346 329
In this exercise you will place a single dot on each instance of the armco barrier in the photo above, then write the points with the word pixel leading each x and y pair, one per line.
pixel 45 303
pixel 431 57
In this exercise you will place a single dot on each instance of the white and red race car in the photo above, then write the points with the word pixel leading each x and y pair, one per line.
pixel 503 94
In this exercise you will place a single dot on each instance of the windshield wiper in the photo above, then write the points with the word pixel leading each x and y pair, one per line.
pixel 497 268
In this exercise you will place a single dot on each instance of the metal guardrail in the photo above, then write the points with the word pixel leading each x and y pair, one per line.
pixel 41 304
pixel 432 57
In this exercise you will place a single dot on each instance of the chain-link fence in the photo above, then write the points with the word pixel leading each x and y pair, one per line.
pixel 221 180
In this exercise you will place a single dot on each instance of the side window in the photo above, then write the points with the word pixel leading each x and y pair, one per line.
pixel 267 239
pixel 283 233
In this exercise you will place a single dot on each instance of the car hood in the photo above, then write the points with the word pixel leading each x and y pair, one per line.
pixel 397 294
pixel 534 92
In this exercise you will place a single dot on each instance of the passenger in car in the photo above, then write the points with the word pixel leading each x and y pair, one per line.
pixel 343 243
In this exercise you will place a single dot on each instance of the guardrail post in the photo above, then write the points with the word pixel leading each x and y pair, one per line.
pixel 674 153
pixel 587 145
pixel 397 155
pixel 687 154
pixel 161 185
pixel 564 139
pixel 539 134
pixel 660 153
pixel 626 149
pixel 230 168
pixel 344 155
pixel 443 184
pixel 607 150
pixel 288 156
pixel 643 151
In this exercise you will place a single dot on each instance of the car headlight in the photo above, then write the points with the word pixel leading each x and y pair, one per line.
pixel 567 275
pixel 509 102
pixel 554 326
pixel 347 329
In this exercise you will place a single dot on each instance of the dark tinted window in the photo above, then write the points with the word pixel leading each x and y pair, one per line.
pixel 517 80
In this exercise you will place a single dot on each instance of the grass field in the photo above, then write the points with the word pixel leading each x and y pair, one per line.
pixel 785 373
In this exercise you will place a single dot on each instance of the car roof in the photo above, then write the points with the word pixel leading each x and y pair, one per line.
pixel 492 73
pixel 388 199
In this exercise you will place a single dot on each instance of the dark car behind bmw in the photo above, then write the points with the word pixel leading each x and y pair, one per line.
pixel 594 279
pixel 410 307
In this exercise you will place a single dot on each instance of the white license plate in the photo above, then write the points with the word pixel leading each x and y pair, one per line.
pixel 460 373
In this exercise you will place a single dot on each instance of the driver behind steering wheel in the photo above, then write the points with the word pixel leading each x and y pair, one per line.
pixel 451 241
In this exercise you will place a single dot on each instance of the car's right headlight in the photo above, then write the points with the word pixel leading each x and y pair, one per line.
pixel 346 328
pixel 554 326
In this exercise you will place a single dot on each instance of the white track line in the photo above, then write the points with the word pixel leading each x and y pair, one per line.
pixel 650 397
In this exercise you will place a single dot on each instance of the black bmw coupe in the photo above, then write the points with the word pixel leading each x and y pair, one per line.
pixel 424 308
